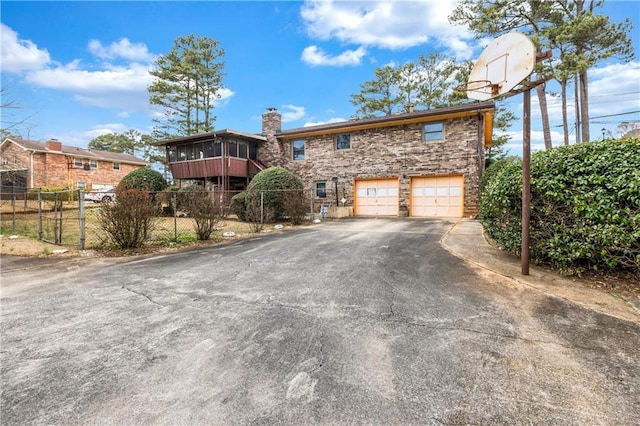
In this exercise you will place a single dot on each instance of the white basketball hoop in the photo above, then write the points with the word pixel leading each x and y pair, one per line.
pixel 503 64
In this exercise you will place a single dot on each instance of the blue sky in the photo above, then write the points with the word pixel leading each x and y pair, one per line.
pixel 80 69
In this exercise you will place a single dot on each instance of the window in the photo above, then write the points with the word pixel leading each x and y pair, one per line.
pixel 433 132
pixel 208 149
pixel 116 166
pixel 77 162
pixel 242 149
pixel 233 149
pixel 343 141
pixel 321 190
pixel 173 154
pixel 297 148
pixel 190 152
pixel 182 153
pixel 93 164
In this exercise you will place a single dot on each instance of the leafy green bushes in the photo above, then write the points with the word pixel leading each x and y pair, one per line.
pixel 144 179
pixel 273 194
pixel 585 206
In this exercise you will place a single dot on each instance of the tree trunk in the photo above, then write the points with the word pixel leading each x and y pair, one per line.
pixel 584 106
pixel 544 114
pixel 565 118
pixel 577 108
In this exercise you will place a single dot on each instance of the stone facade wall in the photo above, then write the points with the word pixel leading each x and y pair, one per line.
pixel 398 152
pixel 271 152
pixel 56 170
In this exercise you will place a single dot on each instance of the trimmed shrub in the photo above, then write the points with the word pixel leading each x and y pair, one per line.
pixel 203 208
pixel 144 179
pixel 264 199
pixel 585 206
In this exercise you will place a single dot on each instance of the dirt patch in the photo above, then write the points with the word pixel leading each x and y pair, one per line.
pixel 16 245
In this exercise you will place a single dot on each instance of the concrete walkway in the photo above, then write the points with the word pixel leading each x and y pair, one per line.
pixel 466 240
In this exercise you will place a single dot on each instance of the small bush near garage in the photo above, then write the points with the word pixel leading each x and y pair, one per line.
pixel 265 199
pixel 129 221
pixel 585 206
pixel 144 179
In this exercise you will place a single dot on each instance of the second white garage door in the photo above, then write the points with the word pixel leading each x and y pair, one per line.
pixel 377 197
pixel 437 196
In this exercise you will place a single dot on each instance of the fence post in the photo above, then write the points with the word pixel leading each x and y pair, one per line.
pixel 13 203
pixel 174 207
pixel 82 218
pixel 39 214
pixel 261 208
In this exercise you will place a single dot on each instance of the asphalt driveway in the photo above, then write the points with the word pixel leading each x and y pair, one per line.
pixel 353 321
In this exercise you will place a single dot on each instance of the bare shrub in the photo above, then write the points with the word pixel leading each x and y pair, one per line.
pixel 129 221
pixel 257 212
pixel 295 205
pixel 204 210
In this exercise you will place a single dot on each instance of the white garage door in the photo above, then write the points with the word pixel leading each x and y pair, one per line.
pixel 377 197
pixel 437 196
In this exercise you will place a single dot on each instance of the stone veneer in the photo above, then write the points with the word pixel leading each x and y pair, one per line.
pixel 396 151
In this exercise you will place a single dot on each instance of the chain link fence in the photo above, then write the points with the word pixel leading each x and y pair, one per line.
pixel 66 218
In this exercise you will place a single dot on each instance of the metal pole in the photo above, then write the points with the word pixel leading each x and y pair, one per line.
pixel 261 208
pixel 174 208
pixel 13 204
pixel 526 180
pixel 82 218
pixel 39 214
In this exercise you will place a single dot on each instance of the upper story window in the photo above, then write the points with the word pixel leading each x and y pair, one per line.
pixel 297 149
pixel 433 131
pixel 5 161
pixel 116 166
pixel 343 141
pixel 77 162
pixel 93 164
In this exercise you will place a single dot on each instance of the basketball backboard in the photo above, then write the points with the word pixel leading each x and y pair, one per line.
pixel 503 64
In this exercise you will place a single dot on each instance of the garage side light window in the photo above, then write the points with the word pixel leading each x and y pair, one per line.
pixel 297 148
pixel 433 132
pixel 321 189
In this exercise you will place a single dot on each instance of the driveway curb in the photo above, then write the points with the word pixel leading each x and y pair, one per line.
pixel 466 240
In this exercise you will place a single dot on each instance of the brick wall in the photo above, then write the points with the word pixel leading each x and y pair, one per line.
pixel 398 152
pixel 53 169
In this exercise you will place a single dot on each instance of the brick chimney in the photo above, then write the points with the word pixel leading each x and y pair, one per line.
pixel 53 145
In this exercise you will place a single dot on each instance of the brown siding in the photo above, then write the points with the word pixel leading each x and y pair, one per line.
pixel 209 167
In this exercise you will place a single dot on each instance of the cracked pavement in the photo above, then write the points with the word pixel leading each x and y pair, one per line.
pixel 352 321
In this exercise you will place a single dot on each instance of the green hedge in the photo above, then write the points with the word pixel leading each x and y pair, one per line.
pixel 585 206
pixel 276 184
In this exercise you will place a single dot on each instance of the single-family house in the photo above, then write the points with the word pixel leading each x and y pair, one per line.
pixel 30 164
pixel 421 163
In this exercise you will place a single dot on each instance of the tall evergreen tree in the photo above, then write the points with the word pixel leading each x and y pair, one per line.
pixel 188 81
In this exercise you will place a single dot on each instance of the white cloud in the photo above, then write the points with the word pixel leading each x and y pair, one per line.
pixel 315 56
pixel 294 113
pixel 329 121
pixel 118 87
pixel 387 25
pixel 20 55
pixel 123 48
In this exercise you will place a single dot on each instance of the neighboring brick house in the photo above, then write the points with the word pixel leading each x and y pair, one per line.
pixel 420 164
pixel 30 164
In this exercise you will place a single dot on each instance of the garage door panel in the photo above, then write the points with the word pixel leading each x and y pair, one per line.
pixel 437 196
pixel 377 197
